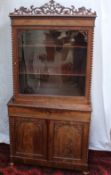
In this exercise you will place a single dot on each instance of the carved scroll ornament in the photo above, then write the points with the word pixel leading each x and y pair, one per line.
pixel 52 9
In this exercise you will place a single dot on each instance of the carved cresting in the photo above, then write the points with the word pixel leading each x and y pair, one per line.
pixel 53 9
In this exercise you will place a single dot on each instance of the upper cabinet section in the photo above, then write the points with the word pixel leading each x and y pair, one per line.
pixel 52 52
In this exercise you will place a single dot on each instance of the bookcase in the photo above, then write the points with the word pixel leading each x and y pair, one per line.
pixel 50 111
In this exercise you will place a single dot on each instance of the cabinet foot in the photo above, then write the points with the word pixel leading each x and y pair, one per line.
pixel 85 172
pixel 11 164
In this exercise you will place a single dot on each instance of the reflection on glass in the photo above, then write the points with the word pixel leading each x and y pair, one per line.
pixel 52 62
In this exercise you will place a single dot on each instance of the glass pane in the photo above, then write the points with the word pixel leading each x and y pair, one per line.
pixel 52 62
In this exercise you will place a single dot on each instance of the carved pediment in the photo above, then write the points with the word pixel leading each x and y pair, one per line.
pixel 52 9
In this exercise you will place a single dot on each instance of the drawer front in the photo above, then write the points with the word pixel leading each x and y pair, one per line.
pixel 55 114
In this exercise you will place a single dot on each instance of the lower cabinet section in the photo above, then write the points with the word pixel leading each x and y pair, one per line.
pixel 49 141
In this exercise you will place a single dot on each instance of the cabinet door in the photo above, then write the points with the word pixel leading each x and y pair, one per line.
pixel 31 138
pixel 68 142
pixel 52 62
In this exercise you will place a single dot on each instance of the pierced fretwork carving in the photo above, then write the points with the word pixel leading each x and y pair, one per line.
pixel 52 9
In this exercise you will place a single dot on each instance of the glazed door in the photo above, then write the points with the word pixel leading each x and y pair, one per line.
pixel 68 142
pixel 52 62
pixel 31 138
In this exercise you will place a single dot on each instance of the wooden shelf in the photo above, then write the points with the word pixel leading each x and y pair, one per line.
pixel 55 74
pixel 53 45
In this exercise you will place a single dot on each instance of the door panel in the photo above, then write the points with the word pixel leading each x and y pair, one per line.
pixel 31 138
pixel 66 141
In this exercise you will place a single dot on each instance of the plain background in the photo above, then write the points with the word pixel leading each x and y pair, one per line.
pixel 100 130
